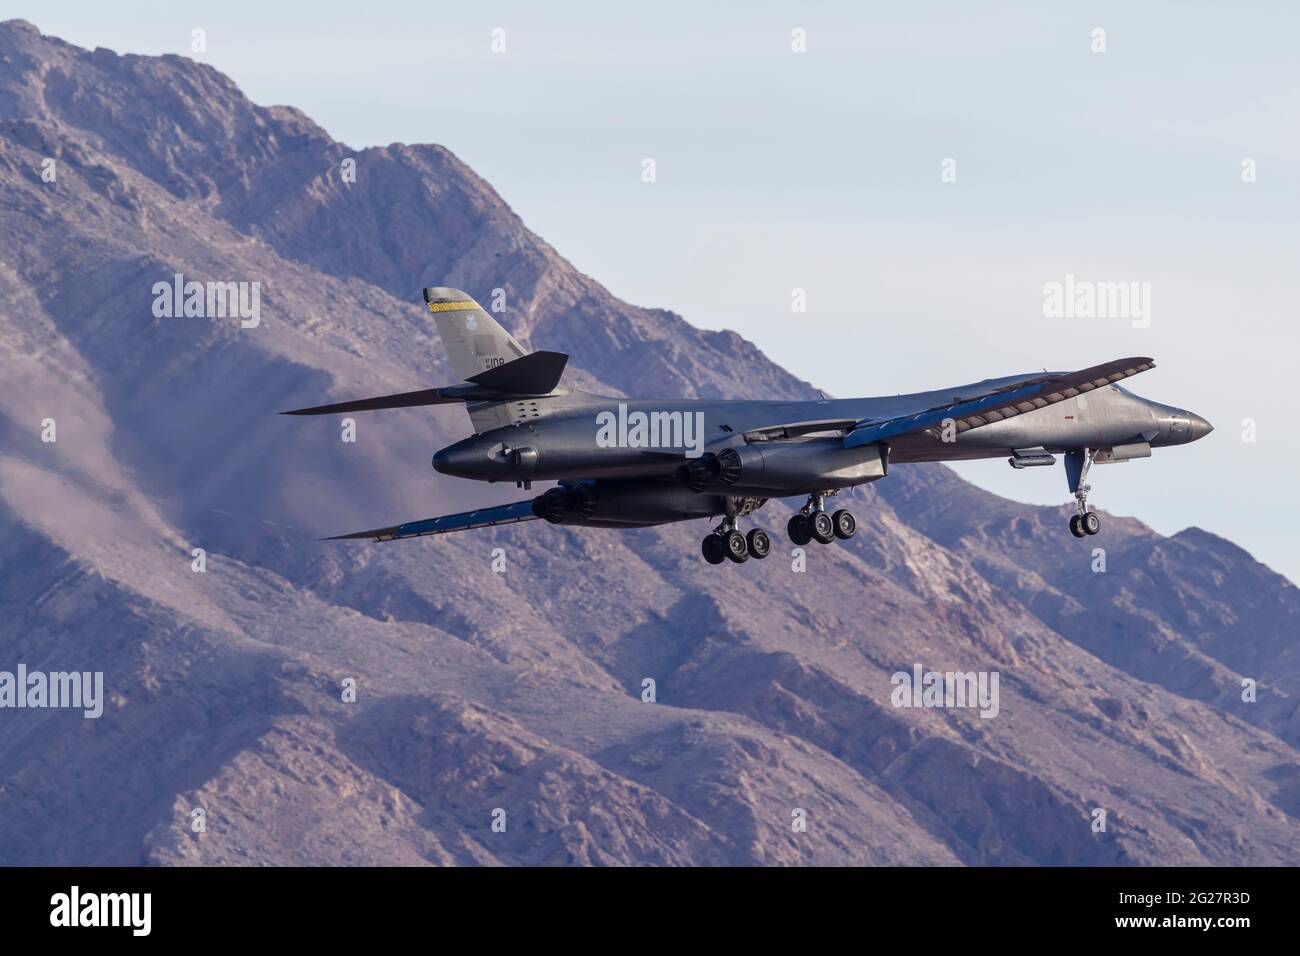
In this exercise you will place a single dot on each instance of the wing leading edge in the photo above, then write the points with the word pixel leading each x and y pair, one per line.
pixel 1004 402
pixel 482 518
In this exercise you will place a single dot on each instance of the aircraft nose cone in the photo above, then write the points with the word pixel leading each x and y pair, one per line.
pixel 455 460
pixel 1199 426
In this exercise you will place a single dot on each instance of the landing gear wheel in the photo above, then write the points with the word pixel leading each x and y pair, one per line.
pixel 711 548
pixel 823 528
pixel 1076 529
pixel 1090 523
pixel 799 528
pixel 845 524
pixel 735 546
pixel 760 545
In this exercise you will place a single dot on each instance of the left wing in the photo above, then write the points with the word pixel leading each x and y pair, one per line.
pixel 1005 402
pixel 482 518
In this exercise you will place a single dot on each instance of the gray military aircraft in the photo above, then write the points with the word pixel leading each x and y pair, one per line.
pixel 624 463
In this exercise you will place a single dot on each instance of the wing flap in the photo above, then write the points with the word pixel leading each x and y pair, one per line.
pixel 464 521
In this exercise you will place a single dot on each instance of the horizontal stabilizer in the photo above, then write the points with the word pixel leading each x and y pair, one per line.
pixel 482 518
pixel 425 396
pixel 536 373
pixel 1006 401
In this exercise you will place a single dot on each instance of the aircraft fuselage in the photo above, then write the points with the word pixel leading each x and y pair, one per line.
pixel 580 435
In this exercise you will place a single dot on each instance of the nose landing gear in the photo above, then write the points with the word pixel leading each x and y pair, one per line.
pixel 1084 524
pixel 1077 463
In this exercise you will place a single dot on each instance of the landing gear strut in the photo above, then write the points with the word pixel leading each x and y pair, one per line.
pixel 1077 463
pixel 812 521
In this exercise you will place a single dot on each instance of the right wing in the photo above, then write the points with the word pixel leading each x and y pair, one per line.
pixel 1004 402
pixel 482 518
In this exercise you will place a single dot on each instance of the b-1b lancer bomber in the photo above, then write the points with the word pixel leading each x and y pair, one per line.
pixel 633 463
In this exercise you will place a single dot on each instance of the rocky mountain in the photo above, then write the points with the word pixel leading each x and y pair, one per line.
pixel 499 675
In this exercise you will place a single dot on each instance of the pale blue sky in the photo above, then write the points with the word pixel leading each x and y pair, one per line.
pixel 821 170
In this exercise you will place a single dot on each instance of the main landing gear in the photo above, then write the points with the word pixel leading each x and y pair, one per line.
pixel 812 522
pixel 1077 463
pixel 727 542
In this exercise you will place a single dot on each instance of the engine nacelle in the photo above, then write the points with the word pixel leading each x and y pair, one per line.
pixel 785 467
pixel 618 503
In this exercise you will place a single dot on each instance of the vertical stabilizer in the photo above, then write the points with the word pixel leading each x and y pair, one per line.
pixel 474 341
